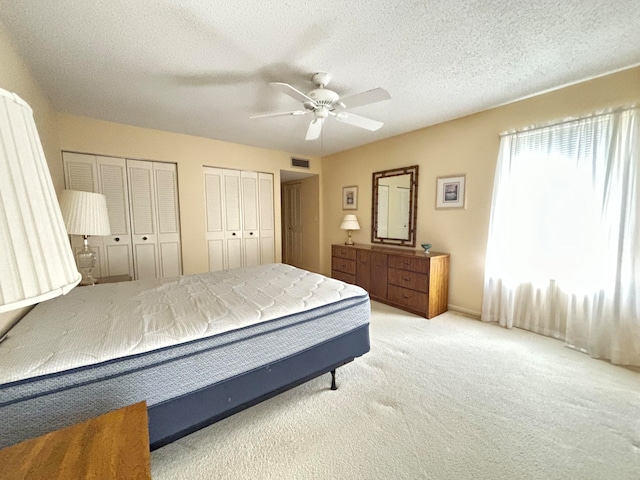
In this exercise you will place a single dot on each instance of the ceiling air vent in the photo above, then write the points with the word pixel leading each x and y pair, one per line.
pixel 299 162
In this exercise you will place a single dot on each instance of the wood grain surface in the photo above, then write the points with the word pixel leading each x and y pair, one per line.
pixel 112 446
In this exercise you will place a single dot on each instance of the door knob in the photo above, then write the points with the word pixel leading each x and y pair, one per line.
pixel 144 238
pixel 234 234
pixel 117 239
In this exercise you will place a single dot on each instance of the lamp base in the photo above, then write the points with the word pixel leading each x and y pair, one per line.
pixel 86 259
pixel 349 241
pixel 87 278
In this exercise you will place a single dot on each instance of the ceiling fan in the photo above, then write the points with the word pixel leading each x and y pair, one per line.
pixel 324 103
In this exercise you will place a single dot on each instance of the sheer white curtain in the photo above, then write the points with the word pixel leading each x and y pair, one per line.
pixel 563 255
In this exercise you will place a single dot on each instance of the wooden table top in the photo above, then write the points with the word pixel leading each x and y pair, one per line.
pixel 112 446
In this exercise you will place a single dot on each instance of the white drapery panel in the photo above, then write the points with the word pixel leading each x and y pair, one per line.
pixel 563 254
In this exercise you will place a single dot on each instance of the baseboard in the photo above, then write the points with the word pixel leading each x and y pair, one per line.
pixel 465 311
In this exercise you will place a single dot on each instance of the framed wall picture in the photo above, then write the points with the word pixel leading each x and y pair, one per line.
pixel 350 198
pixel 450 191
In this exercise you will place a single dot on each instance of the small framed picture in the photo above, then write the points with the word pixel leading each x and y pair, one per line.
pixel 450 191
pixel 350 198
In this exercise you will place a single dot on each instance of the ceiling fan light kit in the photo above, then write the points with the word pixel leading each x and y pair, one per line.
pixel 324 103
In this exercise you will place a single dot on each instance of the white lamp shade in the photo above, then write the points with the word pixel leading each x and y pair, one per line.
pixel 36 262
pixel 349 222
pixel 85 213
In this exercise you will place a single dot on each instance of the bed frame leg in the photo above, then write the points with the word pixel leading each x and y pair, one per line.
pixel 333 380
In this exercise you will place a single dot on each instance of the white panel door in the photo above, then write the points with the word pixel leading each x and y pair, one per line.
pixel 143 226
pixel 118 251
pixel 266 218
pixel 167 219
pixel 250 223
pixel 293 224
pixel 80 172
pixel 232 218
pixel 214 203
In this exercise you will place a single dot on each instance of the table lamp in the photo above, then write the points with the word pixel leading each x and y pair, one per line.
pixel 349 223
pixel 85 213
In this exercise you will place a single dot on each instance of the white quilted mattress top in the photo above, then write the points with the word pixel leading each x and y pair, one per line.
pixel 94 324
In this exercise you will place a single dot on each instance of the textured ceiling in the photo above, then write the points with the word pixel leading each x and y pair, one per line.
pixel 203 67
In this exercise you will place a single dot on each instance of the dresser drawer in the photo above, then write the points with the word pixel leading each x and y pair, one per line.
pixel 343 252
pixel 413 264
pixel 407 279
pixel 345 277
pixel 410 298
pixel 343 265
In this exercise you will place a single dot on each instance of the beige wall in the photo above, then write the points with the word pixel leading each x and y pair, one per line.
pixel 16 77
pixel 81 134
pixel 467 145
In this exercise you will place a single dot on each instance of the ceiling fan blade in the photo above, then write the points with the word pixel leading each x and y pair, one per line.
pixel 280 114
pixel 292 92
pixel 364 98
pixel 358 121
pixel 315 127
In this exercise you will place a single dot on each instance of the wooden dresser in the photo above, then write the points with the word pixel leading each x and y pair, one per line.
pixel 407 279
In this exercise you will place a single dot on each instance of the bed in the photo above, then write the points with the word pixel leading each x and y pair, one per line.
pixel 196 348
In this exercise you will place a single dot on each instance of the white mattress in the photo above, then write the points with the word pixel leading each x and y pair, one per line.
pixel 95 324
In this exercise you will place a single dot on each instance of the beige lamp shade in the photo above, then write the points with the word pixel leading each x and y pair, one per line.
pixel 36 262
pixel 85 213
pixel 349 222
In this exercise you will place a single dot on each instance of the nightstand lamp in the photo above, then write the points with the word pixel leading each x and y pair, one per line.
pixel 85 214
pixel 349 223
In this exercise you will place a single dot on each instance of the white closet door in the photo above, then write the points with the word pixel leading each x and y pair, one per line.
pixel 267 222
pixel 168 221
pixel 81 173
pixel 233 219
pixel 214 202
pixel 250 224
pixel 118 251
pixel 143 228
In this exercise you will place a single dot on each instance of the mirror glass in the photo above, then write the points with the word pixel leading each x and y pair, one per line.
pixel 395 195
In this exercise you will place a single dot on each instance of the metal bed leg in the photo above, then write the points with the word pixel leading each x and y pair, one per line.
pixel 333 380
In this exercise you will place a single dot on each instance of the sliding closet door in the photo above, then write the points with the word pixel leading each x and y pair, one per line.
pixel 214 202
pixel 166 195
pixel 267 222
pixel 240 218
pixel 81 173
pixel 118 252
pixel 143 228
pixel 155 224
pixel 233 218
pixel 250 224
pixel 106 175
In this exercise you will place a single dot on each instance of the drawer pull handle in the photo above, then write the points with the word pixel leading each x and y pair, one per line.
pixel 406 297
pixel 144 238
pixel 117 239
pixel 407 279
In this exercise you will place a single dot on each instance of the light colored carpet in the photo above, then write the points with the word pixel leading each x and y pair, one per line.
pixel 450 398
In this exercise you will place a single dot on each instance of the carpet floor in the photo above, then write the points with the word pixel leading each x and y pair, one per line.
pixel 448 398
